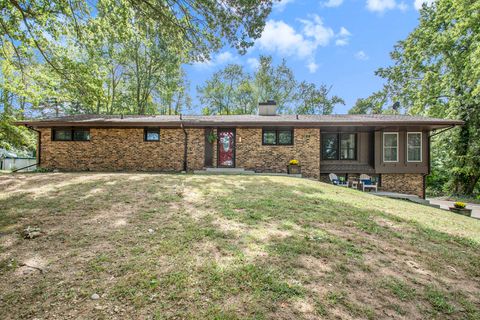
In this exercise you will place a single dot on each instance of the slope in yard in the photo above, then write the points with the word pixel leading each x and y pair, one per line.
pixel 226 247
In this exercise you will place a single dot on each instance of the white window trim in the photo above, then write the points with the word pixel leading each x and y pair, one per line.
pixel 383 146
pixel 421 146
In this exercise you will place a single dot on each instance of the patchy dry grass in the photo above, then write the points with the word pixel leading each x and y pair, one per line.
pixel 228 247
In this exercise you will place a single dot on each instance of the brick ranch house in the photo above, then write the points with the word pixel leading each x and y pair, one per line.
pixel 393 148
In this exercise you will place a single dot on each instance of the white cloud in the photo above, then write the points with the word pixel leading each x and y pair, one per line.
pixel 343 37
pixel 253 63
pixel 221 58
pixel 344 32
pixel 332 3
pixel 312 67
pixel 360 55
pixel 280 6
pixel 402 6
pixel 384 5
pixel 316 29
pixel 281 38
pixel 224 57
pixel 418 3
pixel 341 42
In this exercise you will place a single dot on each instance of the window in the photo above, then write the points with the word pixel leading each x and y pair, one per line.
pixel 414 146
pixel 282 137
pixel 152 134
pixel 339 146
pixel 347 146
pixel 71 134
pixel 390 147
pixel 330 146
pixel 81 135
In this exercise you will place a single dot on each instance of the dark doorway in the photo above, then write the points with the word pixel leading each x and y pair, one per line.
pixel 208 162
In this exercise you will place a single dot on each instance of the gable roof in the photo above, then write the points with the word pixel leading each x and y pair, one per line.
pixel 241 120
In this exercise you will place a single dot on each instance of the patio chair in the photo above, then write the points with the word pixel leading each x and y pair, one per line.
pixel 367 183
pixel 334 179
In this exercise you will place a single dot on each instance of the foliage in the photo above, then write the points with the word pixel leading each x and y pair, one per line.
pixel 235 91
pixel 459 205
pixel 293 162
pixel 212 137
pixel 111 57
pixel 436 72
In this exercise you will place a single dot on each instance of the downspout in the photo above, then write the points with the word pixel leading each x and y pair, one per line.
pixel 185 146
pixel 39 144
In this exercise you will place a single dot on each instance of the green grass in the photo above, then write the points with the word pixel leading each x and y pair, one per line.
pixel 228 247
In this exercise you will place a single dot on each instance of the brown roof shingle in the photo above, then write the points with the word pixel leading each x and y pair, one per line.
pixel 241 120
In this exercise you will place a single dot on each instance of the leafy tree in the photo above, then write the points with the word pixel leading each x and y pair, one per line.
pixel 193 27
pixel 234 91
pixel 275 83
pixel 313 100
pixel 112 56
pixel 221 93
pixel 371 105
pixel 436 72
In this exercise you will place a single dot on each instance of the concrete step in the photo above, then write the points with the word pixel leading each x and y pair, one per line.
pixel 239 170
pixel 243 172
pixel 224 171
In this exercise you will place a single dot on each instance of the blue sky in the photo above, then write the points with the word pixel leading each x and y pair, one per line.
pixel 336 42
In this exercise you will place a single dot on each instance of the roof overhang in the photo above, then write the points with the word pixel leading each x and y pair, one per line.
pixel 328 125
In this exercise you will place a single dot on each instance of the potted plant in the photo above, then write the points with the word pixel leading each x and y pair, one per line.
pixel 212 137
pixel 294 167
pixel 459 207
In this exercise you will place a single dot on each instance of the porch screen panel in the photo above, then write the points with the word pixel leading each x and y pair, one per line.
pixel 330 146
pixel 347 146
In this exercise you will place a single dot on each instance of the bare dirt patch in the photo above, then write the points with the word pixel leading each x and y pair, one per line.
pixel 181 246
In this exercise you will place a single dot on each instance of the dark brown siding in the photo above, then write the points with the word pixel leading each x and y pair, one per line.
pixel 364 162
pixel 402 166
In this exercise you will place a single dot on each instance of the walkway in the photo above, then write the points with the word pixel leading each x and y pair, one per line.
pixel 445 204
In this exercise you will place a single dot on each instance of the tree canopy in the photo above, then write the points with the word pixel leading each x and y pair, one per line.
pixel 436 72
pixel 78 56
pixel 232 90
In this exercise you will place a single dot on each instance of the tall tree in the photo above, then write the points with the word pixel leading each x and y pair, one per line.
pixel 221 93
pixel 275 83
pixel 234 91
pixel 314 100
pixel 113 56
pixel 436 72
pixel 372 105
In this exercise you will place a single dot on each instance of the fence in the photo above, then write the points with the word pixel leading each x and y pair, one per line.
pixel 10 164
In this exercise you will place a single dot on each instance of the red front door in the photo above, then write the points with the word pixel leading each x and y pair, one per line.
pixel 226 148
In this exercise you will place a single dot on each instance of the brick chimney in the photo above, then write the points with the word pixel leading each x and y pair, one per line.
pixel 268 108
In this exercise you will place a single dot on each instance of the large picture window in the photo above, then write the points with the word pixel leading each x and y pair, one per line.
pixel 283 137
pixel 390 147
pixel 71 134
pixel 339 146
pixel 414 146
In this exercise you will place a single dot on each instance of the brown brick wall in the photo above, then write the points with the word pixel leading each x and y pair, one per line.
pixel 196 148
pixel 123 149
pixel 409 183
pixel 252 155
pixel 111 149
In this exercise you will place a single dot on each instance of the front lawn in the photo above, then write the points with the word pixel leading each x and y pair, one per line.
pixel 228 247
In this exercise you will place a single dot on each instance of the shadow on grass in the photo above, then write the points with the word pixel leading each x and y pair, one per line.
pixel 294 254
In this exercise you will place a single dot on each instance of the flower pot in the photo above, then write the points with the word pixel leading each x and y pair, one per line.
pixel 462 211
pixel 294 169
